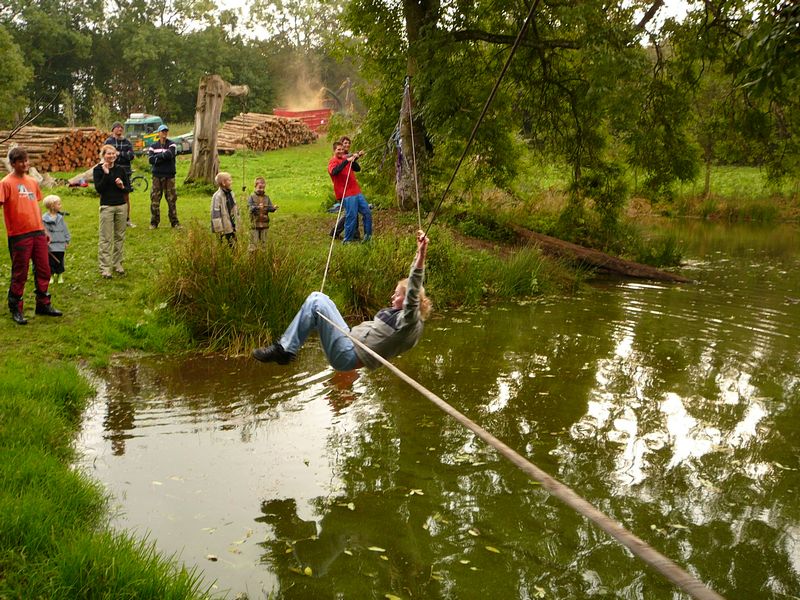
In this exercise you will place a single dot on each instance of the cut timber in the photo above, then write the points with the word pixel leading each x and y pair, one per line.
pixel 57 148
pixel 594 258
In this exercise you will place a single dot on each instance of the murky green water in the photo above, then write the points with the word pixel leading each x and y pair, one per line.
pixel 674 409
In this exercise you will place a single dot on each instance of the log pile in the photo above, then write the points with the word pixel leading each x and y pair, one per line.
pixel 258 131
pixel 58 148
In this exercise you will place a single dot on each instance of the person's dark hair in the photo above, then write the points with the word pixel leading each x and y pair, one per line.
pixel 336 143
pixel 17 153
pixel 343 138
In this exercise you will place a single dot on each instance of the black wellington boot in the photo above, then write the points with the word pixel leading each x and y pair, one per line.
pixel 15 306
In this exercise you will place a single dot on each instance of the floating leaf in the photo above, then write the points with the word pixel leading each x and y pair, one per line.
pixel 234 550
pixel 473 568
pixel 493 549
pixel 384 557
pixel 348 552
pixel 212 557
pixel 677 526
pixel 351 506
pixel 415 492
pixel 308 571
pixel 376 549
pixel 295 570
pixel 474 532
pixel 392 597
pixel 539 593
pixel 156 483
pixel 289 551
pixel 464 561
pixel 425 526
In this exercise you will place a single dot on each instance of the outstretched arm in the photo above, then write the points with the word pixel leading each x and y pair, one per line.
pixel 422 249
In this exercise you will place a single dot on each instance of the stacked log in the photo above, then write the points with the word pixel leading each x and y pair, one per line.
pixel 58 148
pixel 258 131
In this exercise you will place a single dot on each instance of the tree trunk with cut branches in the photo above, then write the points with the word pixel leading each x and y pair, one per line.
pixel 210 97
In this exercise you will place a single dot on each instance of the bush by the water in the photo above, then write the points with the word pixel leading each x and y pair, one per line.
pixel 233 299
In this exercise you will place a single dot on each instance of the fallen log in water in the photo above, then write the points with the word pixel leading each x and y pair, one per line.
pixel 594 258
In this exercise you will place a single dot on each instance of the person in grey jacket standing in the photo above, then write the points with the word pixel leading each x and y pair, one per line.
pixel 58 233
pixel 124 157
pixel 394 329
pixel 162 158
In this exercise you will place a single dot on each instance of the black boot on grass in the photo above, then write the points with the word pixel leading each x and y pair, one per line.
pixel 15 306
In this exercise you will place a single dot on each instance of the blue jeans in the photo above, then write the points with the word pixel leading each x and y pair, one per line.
pixel 338 347
pixel 353 206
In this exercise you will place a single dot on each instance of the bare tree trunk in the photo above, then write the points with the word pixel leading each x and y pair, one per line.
pixel 210 97
pixel 707 186
pixel 418 14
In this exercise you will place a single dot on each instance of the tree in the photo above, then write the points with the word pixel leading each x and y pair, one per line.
pixel 211 94
pixel 16 76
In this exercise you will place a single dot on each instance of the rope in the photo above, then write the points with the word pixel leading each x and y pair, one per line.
pixel 684 580
pixel 333 237
pixel 485 109
pixel 407 97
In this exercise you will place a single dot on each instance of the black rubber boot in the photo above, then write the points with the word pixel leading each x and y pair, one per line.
pixel 47 310
pixel 43 306
pixel 274 353
pixel 15 306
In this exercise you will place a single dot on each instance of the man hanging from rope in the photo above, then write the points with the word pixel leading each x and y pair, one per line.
pixel 393 330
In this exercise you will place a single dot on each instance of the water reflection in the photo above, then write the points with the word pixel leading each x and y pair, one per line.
pixel 675 409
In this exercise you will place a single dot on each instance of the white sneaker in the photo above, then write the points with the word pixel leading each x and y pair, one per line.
pixel 131 224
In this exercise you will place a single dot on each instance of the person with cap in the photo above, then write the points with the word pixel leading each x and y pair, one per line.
pixel 162 158
pixel 124 157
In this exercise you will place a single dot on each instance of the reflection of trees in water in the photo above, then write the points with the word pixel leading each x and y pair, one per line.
pixel 436 499
pixel 123 389
pixel 687 415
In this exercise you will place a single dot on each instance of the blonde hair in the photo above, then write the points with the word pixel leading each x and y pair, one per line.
pixel 50 201
pixel 221 176
pixel 425 304
pixel 260 179
pixel 104 148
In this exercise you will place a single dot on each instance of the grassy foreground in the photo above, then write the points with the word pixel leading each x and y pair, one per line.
pixel 183 291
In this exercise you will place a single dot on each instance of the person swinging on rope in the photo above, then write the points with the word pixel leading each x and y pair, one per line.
pixel 394 329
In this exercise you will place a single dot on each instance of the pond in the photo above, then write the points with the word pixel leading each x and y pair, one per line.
pixel 675 409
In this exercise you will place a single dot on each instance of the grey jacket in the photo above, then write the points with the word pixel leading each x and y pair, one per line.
pixel 393 330
pixel 58 231
pixel 223 221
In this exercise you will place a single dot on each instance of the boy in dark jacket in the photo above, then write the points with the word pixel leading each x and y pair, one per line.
pixel 162 158
pixel 124 157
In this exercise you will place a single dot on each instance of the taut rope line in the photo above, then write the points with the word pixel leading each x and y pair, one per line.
pixel 333 237
pixel 684 580
pixel 407 96
pixel 485 110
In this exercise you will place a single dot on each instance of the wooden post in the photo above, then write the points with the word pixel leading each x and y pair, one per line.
pixel 210 96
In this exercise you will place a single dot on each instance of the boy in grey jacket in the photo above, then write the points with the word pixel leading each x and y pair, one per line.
pixel 393 330
pixel 58 232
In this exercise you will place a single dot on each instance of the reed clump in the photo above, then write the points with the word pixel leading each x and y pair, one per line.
pixel 231 298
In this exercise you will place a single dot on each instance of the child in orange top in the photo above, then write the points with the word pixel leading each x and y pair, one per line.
pixel 27 240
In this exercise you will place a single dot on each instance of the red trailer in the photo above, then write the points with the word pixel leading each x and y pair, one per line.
pixel 315 118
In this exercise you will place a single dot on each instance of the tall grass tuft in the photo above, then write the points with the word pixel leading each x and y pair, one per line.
pixel 231 298
pixel 112 566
